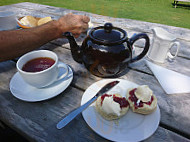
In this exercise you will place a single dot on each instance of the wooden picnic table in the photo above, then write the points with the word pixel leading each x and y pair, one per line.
pixel 37 121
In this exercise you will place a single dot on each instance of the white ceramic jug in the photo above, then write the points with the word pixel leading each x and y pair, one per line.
pixel 163 41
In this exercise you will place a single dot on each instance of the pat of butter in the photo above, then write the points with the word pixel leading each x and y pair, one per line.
pixel 143 93
pixel 111 107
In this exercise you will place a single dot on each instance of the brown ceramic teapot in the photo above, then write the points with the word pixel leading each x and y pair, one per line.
pixel 106 51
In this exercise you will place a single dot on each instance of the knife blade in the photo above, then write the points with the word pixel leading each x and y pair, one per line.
pixel 69 117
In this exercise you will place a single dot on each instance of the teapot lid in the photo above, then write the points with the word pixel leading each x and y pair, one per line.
pixel 108 34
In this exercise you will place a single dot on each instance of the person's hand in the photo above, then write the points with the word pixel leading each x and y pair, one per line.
pixel 76 24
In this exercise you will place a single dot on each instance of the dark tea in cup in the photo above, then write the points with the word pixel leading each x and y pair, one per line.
pixel 38 64
pixel 41 68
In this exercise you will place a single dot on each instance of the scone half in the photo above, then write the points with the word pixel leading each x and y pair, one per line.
pixel 138 105
pixel 124 106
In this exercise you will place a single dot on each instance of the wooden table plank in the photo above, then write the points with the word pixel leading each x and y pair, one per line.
pixel 185 46
pixel 164 100
pixel 141 26
pixel 40 124
pixel 162 135
pixel 181 33
pixel 7 69
pixel 19 12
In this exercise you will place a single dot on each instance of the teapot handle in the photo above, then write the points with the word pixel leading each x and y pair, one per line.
pixel 133 39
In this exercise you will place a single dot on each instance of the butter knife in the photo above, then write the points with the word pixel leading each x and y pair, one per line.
pixel 69 117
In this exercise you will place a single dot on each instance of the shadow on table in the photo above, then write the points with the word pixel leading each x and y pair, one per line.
pixel 9 135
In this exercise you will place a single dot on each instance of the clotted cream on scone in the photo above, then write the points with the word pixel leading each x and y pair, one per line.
pixel 141 99
pixel 112 106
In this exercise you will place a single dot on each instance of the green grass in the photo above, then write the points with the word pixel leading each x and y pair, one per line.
pixel 156 11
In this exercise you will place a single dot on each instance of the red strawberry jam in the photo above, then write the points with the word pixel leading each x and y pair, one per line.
pixel 122 101
pixel 134 99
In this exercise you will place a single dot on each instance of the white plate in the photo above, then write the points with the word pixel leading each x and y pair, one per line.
pixel 25 92
pixel 131 127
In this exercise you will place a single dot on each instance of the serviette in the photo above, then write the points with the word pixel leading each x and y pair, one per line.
pixel 172 82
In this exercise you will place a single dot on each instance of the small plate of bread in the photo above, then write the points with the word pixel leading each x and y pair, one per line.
pixel 128 112
pixel 31 21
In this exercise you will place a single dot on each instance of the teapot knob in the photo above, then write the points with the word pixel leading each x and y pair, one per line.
pixel 108 27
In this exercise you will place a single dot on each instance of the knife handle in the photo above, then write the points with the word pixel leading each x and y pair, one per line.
pixel 69 117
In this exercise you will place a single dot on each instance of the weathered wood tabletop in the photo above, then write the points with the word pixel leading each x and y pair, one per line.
pixel 37 121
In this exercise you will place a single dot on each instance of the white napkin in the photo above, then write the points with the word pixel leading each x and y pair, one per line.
pixel 171 81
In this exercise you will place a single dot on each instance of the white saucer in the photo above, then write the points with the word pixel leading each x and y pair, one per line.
pixel 25 92
pixel 129 128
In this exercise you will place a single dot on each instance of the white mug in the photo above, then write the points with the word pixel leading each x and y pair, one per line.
pixel 7 20
pixel 162 45
pixel 42 78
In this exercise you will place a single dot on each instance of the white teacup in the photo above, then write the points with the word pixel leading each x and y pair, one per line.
pixel 7 20
pixel 42 78
pixel 163 42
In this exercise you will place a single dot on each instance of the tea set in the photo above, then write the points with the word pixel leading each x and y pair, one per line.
pixel 105 52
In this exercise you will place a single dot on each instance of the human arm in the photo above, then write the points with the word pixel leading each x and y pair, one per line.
pixel 18 42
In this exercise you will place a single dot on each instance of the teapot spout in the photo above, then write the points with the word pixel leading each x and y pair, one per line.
pixel 75 49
